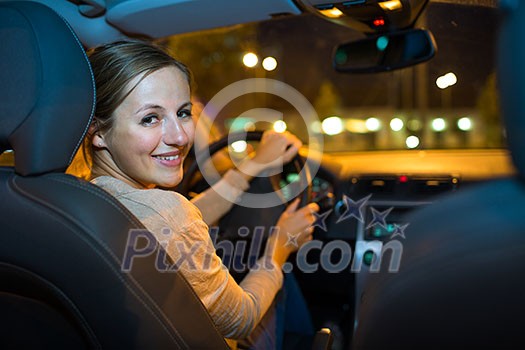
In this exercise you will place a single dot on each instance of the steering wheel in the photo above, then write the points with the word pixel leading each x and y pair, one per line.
pixel 242 223
pixel 298 163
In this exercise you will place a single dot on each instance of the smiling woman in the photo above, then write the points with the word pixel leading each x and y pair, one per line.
pixel 132 117
pixel 147 142
pixel 141 133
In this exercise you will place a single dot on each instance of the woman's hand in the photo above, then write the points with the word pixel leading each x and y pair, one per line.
pixel 274 150
pixel 294 228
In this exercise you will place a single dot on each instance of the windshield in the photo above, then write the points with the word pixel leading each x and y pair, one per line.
pixel 448 102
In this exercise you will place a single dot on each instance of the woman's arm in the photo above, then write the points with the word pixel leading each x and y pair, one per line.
pixel 214 205
pixel 237 308
pixel 274 150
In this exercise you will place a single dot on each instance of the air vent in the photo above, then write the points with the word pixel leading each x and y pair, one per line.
pixel 379 184
pixel 433 185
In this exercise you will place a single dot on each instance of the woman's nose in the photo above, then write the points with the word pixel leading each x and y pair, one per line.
pixel 173 132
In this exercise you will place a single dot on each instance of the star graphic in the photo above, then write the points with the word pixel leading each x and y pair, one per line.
pixel 354 209
pixel 292 239
pixel 320 219
pixel 399 230
pixel 379 217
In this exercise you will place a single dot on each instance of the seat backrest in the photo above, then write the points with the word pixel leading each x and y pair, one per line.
pixel 461 281
pixel 62 240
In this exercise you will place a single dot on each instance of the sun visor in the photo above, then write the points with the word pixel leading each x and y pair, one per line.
pixel 158 18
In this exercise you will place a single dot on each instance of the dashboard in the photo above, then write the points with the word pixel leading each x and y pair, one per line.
pixel 370 195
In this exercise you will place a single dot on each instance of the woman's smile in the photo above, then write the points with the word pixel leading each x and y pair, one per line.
pixel 170 159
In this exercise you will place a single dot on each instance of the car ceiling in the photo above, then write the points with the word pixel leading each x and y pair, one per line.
pixel 160 18
pixel 107 20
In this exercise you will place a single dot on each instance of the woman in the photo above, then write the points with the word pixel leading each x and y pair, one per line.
pixel 142 131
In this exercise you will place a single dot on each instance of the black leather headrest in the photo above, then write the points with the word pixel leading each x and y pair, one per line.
pixel 46 87
pixel 511 73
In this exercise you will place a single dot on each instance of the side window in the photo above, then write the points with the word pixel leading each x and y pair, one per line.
pixel 7 158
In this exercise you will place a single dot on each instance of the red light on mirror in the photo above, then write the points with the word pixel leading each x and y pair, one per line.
pixel 379 22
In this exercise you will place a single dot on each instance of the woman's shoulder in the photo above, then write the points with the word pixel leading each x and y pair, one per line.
pixel 163 202
pixel 166 198
pixel 174 209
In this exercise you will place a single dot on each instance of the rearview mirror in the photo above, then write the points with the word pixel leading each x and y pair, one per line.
pixel 385 52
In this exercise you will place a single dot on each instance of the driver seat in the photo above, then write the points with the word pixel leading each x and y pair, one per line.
pixel 62 240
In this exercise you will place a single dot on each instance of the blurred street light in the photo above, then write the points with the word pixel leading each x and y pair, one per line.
pixel 412 141
pixel 332 126
pixel 250 60
pixel 465 124
pixel 446 80
pixel 239 146
pixel 373 124
pixel 439 124
pixel 396 124
pixel 279 126
pixel 269 63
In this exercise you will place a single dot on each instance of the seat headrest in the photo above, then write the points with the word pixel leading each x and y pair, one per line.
pixel 48 91
pixel 511 74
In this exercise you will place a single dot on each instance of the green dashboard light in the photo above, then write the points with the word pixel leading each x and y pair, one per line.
pixel 381 231
pixel 368 257
pixel 382 43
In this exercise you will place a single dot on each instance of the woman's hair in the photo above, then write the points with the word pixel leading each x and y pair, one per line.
pixel 114 66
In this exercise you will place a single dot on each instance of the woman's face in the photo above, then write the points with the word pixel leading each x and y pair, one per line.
pixel 152 131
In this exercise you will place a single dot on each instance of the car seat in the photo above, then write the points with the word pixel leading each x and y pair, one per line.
pixel 461 282
pixel 62 239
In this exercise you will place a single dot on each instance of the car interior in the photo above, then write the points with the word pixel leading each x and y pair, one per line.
pixel 419 172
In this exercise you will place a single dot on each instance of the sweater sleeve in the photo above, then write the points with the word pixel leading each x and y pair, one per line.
pixel 218 199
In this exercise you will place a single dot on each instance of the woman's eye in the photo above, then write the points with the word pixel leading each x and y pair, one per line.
pixel 149 120
pixel 184 113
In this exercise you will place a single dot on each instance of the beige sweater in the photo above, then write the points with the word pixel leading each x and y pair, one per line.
pixel 178 225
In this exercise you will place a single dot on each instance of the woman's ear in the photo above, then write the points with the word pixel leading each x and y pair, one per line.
pixel 97 140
